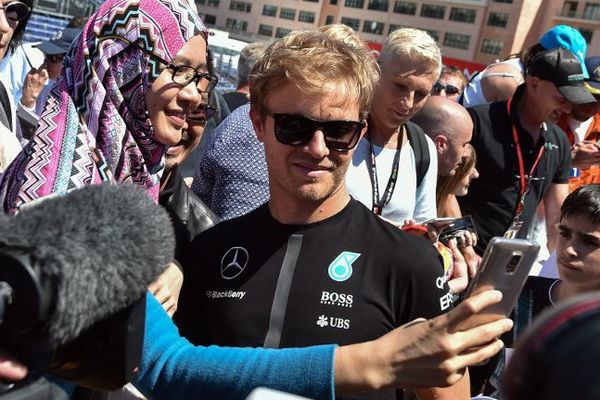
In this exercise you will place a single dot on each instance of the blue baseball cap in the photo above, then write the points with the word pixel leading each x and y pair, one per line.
pixel 593 82
pixel 568 37
pixel 60 43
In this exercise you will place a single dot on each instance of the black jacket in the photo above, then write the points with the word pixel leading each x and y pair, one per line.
pixel 189 214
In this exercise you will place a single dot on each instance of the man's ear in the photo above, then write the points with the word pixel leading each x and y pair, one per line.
pixel 258 124
pixel 533 81
pixel 441 143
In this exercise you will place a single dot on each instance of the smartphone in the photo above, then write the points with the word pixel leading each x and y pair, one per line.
pixel 505 266
pixel 442 220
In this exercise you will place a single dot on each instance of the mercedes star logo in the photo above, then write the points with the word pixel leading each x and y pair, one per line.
pixel 233 262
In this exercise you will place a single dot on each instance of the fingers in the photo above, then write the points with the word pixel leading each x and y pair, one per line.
pixel 471 357
pixel 461 317
pixel 481 335
pixel 473 261
pixel 10 369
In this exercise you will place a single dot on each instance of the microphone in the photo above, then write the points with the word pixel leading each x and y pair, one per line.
pixel 73 278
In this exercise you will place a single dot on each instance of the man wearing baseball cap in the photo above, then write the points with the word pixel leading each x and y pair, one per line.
pixel 582 127
pixel 39 82
pixel 522 156
pixel 499 80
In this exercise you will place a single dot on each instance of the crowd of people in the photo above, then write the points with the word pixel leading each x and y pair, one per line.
pixel 306 203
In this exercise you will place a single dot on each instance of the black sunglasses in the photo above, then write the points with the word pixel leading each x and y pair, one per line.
pixel 297 130
pixel 450 89
pixel 201 115
pixel 16 11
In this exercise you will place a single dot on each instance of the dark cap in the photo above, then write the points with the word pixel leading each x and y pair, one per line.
pixel 563 69
pixel 60 43
pixel 593 83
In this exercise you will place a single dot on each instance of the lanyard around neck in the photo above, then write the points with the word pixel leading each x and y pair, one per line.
pixel 379 204
pixel 524 179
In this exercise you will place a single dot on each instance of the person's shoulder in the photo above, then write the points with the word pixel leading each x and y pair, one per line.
pixel 234 227
pixel 237 123
pixel 387 236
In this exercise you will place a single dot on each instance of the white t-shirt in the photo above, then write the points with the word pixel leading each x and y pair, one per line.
pixel 407 201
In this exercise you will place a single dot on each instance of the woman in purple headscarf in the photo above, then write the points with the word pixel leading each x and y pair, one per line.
pixel 129 82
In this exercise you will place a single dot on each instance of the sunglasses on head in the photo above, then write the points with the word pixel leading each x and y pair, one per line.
pixel 201 115
pixel 297 130
pixel 16 11
pixel 450 89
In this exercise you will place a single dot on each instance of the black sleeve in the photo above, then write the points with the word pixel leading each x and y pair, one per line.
pixel 475 119
pixel 564 162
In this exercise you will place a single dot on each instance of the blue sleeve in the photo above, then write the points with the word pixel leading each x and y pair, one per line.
pixel 173 368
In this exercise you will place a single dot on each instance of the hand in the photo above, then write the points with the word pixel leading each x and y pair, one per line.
pixel 466 238
pixel 472 259
pixel 423 353
pixel 166 288
pixel 10 368
pixel 34 83
pixel 585 154
pixel 459 279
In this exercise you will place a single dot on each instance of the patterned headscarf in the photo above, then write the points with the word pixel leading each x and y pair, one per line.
pixel 95 126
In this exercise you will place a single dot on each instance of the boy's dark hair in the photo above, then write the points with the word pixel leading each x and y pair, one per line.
pixel 19 30
pixel 585 201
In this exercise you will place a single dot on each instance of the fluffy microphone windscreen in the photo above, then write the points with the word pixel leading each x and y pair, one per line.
pixel 100 246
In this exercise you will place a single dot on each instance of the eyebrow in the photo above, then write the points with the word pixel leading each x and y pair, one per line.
pixel 179 59
pixel 587 236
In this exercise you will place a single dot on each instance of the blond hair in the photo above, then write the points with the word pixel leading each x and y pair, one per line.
pixel 331 59
pixel 414 44
pixel 447 185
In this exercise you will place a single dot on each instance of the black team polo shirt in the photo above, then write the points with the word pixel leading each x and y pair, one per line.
pixel 492 198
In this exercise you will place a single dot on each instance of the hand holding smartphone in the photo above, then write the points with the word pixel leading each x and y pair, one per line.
pixel 505 267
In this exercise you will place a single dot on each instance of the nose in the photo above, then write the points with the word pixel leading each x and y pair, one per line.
pixel 317 146
pixel 191 95
pixel 569 249
pixel 409 100
pixel 567 107
pixel 475 174
pixel 4 26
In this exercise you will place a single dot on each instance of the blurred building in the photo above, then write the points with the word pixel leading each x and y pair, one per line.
pixel 51 16
pixel 476 31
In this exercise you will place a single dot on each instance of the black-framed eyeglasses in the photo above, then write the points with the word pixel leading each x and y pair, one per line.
pixel 201 114
pixel 298 130
pixel 182 75
pixel 450 89
pixel 16 11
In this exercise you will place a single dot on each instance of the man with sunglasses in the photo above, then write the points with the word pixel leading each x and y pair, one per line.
pixel 450 84
pixel 311 265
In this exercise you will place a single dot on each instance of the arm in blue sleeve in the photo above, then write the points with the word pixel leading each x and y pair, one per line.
pixel 173 368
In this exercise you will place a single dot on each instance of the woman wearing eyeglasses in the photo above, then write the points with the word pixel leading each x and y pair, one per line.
pixel 125 94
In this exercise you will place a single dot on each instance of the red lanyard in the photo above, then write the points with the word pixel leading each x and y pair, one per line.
pixel 523 179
